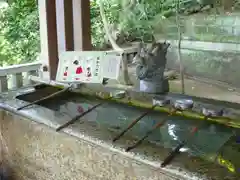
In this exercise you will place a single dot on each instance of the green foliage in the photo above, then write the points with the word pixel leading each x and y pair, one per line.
pixel 19 33
pixel 19 24
pixel 97 25
pixel 133 18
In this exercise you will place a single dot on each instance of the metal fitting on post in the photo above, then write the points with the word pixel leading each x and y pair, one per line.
pixel 212 113
pixel 183 104
pixel 161 102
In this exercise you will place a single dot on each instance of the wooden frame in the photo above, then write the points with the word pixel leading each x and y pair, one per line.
pixel 72 31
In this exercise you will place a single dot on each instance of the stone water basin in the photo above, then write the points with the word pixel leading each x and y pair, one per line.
pixel 212 152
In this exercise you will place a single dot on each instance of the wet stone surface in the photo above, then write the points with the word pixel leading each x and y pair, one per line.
pixel 200 156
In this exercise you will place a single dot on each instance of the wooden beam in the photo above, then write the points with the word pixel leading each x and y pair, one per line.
pixel 64 13
pixel 52 37
pixel 68 11
pixel 48 34
pixel 82 25
pixel 60 25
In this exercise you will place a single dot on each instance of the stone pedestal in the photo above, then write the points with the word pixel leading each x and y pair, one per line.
pixel 150 68
pixel 155 87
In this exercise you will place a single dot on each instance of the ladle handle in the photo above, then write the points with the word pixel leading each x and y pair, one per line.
pixel 44 98
pixel 133 123
pixel 146 135
pixel 73 120
pixel 172 154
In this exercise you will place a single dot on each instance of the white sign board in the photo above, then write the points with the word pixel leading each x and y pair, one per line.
pixel 88 66
pixel 111 65
pixel 80 67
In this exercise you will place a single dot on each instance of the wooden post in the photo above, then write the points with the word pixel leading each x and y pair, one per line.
pixel 17 80
pixel 64 26
pixel 64 11
pixel 3 84
pixel 82 25
pixel 48 35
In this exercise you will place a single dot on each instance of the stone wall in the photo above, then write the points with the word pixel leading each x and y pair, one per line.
pixel 210 46
pixel 38 152
pixel 220 66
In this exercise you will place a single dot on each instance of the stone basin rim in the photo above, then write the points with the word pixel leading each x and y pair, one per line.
pixel 169 171
pixel 229 118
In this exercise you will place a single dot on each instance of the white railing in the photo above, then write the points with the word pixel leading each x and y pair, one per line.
pixel 16 76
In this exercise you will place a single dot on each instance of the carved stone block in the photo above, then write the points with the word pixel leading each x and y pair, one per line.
pixel 151 63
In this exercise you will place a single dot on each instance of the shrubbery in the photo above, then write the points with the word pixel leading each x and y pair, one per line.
pixel 19 24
